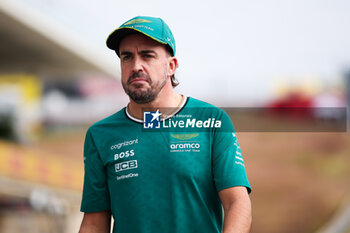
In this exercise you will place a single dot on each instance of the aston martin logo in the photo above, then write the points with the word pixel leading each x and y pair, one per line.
pixel 184 136
pixel 135 21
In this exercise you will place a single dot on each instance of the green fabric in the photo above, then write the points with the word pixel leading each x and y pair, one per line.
pixel 150 184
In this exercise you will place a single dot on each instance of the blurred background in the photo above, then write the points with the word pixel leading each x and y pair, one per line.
pixel 57 77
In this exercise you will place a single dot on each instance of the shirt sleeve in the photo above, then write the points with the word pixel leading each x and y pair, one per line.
pixel 228 163
pixel 95 196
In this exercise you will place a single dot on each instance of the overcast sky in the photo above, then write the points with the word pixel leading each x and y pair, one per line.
pixel 235 51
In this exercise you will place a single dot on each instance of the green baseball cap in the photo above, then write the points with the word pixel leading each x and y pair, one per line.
pixel 154 28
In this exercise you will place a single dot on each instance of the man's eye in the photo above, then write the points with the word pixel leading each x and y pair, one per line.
pixel 125 58
pixel 147 55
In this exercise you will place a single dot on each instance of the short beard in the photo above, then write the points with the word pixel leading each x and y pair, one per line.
pixel 144 97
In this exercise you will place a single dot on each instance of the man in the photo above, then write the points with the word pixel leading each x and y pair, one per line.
pixel 174 177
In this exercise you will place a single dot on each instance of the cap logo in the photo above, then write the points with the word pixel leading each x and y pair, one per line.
pixel 135 21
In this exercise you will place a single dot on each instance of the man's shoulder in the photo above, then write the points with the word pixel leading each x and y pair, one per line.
pixel 196 103
pixel 199 108
pixel 115 118
pixel 202 105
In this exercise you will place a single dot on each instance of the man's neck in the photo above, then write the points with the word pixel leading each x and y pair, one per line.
pixel 170 101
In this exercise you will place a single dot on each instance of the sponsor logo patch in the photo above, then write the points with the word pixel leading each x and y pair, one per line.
pixel 130 175
pixel 184 136
pixel 125 143
pixel 127 165
pixel 124 154
pixel 189 146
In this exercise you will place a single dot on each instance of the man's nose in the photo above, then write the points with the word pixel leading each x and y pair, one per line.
pixel 137 64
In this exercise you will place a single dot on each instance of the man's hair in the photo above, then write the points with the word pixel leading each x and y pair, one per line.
pixel 174 81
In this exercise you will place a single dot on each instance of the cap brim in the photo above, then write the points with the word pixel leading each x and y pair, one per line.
pixel 117 36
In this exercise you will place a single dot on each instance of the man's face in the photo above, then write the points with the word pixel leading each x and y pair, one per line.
pixel 144 67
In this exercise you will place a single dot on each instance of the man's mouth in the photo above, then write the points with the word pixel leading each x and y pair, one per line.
pixel 137 80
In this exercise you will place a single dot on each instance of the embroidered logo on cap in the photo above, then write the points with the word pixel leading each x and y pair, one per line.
pixel 135 21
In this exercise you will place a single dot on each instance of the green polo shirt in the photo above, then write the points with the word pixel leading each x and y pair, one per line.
pixel 166 179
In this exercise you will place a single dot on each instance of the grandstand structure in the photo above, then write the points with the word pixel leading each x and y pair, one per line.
pixel 39 192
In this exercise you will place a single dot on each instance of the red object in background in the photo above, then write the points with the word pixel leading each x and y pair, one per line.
pixel 296 105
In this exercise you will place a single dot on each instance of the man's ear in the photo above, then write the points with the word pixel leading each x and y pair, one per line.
pixel 172 66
